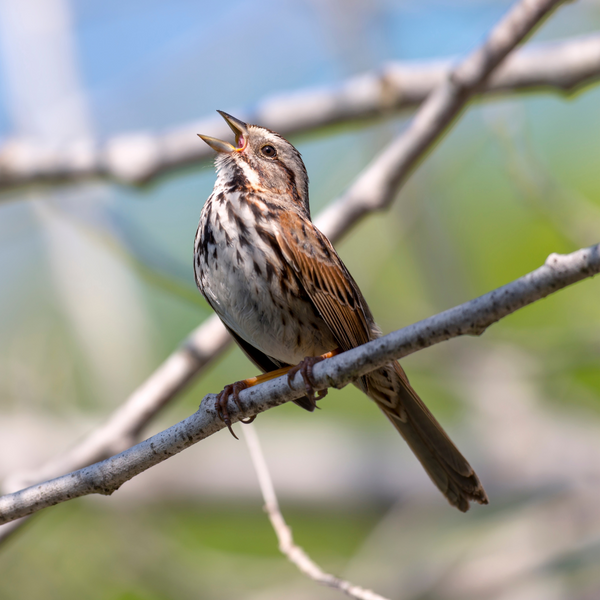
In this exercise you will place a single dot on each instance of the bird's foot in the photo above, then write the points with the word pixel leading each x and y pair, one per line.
pixel 232 390
pixel 306 369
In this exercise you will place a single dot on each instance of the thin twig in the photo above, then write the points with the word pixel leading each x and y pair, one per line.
pixel 287 546
pixel 139 157
pixel 471 318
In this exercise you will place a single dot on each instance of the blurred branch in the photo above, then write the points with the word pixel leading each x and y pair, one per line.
pixel 377 185
pixel 470 318
pixel 139 157
pixel 187 362
pixel 122 429
pixel 205 344
pixel 287 546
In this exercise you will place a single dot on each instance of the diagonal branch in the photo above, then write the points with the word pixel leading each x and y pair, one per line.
pixel 123 428
pixel 471 318
pixel 139 157
pixel 377 185
pixel 210 339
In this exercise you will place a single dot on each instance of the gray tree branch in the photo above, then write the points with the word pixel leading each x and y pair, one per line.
pixel 471 318
pixel 139 157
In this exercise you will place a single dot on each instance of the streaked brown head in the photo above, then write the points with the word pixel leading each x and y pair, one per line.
pixel 263 160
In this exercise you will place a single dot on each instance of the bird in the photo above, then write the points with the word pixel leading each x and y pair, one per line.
pixel 282 291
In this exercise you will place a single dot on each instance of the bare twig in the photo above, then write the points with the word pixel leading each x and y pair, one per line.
pixel 210 339
pixel 287 546
pixel 139 157
pixel 470 318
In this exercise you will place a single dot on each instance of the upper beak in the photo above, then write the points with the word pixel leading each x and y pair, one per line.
pixel 241 136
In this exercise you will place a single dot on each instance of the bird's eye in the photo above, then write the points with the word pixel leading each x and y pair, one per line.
pixel 268 151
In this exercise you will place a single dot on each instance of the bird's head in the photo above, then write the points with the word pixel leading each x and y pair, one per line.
pixel 262 160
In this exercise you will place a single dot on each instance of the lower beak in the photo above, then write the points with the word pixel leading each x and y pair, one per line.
pixel 241 136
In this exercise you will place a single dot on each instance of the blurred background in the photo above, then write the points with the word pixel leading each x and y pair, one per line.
pixel 97 289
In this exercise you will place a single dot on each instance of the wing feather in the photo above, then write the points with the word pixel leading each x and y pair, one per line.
pixel 327 282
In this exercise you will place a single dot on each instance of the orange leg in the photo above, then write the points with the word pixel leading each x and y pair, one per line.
pixel 252 381
pixel 234 389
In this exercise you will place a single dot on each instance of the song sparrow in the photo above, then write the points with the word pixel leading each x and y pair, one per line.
pixel 285 295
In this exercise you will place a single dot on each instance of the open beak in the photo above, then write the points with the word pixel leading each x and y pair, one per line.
pixel 241 136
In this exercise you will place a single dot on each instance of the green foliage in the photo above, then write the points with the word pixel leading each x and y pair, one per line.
pixel 167 551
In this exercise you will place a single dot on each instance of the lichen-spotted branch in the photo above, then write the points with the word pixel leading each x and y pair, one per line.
pixel 471 318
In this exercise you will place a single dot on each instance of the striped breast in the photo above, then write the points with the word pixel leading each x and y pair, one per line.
pixel 241 271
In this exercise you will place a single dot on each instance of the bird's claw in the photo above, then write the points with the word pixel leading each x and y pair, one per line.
pixel 306 369
pixel 232 390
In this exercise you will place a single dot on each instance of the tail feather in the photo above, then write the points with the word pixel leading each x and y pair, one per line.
pixel 445 465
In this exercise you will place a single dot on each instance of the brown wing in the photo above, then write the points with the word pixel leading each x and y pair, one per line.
pixel 341 305
pixel 326 280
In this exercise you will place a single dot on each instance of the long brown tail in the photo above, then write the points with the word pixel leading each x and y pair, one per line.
pixel 445 465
